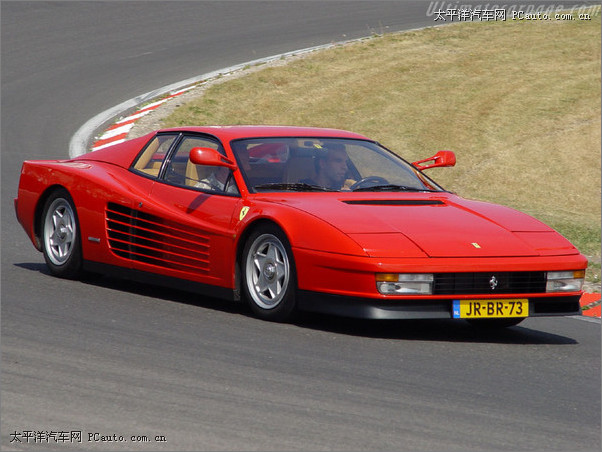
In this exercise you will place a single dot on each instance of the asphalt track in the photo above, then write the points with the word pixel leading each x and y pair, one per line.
pixel 115 358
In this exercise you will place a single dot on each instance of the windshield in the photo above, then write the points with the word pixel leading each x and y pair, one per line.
pixel 325 164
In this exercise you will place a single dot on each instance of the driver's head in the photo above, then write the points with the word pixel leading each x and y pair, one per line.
pixel 331 166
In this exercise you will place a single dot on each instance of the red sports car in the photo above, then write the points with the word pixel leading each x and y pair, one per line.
pixel 291 218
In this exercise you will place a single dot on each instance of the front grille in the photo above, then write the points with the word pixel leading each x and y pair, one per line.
pixel 489 283
pixel 147 238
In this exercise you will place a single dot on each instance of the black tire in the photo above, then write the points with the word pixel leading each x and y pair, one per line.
pixel 268 274
pixel 495 323
pixel 60 234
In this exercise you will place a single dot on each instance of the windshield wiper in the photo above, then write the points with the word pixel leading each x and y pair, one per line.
pixel 392 187
pixel 292 187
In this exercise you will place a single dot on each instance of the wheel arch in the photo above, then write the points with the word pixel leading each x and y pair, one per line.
pixel 39 210
pixel 274 298
pixel 61 241
pixel 240 246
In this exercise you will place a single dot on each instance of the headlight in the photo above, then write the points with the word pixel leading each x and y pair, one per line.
pixel 404 283
pixel 566 281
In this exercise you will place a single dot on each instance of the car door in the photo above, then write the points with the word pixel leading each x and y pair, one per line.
pixel 188 218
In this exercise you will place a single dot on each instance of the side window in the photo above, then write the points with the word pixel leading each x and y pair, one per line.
pixel 181 171
pixel 150 160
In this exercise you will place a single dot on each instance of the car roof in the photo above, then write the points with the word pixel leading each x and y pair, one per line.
pixel 228 133
pixel 123 154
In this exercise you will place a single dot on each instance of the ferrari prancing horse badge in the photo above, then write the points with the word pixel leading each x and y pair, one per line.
pixel 243 212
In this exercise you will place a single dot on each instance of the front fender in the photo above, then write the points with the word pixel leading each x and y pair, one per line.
pixel 303 230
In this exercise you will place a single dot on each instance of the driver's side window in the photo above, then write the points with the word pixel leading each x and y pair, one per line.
pixel 181 171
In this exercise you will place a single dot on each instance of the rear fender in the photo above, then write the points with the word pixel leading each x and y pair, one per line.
pixel 34 188
pixel 90 186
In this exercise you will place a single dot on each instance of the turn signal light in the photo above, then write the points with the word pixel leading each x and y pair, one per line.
pixel 404 283
pixel 565 281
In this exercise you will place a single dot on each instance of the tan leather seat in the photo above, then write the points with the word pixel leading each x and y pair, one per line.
pixel 196 173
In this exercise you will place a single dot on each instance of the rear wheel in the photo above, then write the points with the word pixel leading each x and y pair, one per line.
pixel 61 242
pixel 268 273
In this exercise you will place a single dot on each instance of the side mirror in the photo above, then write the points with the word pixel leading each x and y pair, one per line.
pixel 441 158
pixel 210 157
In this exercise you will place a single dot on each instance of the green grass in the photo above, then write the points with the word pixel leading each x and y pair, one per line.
pixel 517 101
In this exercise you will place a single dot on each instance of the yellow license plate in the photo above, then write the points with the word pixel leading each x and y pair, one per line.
pixel 483 309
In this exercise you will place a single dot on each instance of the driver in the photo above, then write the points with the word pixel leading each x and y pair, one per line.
pixel 331 167
pixel 219 180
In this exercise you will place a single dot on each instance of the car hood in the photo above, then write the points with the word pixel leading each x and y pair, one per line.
pixel 437 226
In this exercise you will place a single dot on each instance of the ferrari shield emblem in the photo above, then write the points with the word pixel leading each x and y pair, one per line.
pixel 243 212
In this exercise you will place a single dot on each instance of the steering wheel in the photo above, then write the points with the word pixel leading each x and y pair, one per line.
pixel 369 181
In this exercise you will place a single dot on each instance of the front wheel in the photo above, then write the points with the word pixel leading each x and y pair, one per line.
pixel 61 243
pixel 269 277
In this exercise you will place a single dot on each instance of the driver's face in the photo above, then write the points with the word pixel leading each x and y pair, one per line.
pixel 335 166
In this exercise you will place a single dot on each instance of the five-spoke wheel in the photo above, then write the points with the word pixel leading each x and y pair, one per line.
pixel 269 274
pixel 60 235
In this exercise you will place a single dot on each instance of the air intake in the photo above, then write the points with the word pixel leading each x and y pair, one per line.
pixel 142 237
pixel 396 202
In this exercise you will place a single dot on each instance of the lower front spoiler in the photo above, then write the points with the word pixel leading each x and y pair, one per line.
pixel 418 309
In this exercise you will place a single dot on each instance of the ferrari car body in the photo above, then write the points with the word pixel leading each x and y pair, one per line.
pixel 291 218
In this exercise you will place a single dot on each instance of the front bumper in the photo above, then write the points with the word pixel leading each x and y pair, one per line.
pixel 355 276
pixel 394 309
